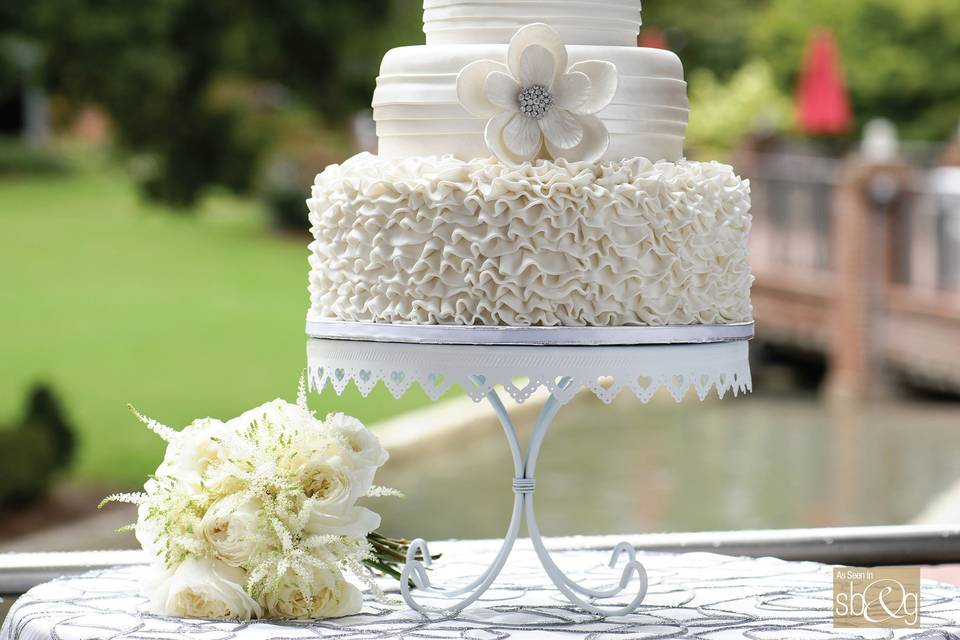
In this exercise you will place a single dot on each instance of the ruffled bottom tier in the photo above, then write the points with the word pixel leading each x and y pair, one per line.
pixel 433 240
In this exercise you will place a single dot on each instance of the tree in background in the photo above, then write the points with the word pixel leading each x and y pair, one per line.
pixel 167 73
pixel 721 113
pixel 189 85
pixel 712 34
pixel 900 58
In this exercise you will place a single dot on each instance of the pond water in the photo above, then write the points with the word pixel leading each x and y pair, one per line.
pixel 746 463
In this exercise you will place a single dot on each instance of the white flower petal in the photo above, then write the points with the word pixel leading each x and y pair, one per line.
pixel 571 90
pixel 356 522
pixel 537 67
pixel 537 34
pixel 561 129
pixel 604 81
pixel 522 136
pixel 330 595
pixel 493 135
pixel 591 148
pixel 502 90
pixel 471 88
pixel 204 588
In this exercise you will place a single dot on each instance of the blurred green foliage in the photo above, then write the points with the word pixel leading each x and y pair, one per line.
pixel 115 301
pixel 712 34
pixel 720 113
pixel 193 88
pixel 17 158
pixel 901 58
pixel 166 71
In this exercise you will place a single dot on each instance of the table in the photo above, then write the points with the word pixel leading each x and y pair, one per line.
pixel 696 595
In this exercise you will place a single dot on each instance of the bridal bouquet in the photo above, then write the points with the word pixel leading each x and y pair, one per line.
pixel 257 517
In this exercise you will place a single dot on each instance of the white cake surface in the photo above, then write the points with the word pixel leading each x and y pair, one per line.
pixel 530 173
pixel 603 22
pixel 417 110
pixel 442 241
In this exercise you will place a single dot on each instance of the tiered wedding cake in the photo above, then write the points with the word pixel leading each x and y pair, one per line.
pixel 530 173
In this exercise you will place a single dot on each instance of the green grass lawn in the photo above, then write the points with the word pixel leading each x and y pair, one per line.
pixel 115 301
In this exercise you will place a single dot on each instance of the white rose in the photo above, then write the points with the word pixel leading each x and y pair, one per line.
pixel 231 529
pixel 277 412
pixel 198 453
pixel 359 449
pixel 331 596
pixel 334 491
pixel 310 448
pixel 332 488
pixel 363 449
pixel 308 438
pixel 355 522
pixel 205 588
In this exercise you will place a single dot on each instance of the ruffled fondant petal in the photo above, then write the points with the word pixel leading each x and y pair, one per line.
pixel 502 90
pixel 571 90
pixel 592 145
pixel 604 81
pixel 522 136
pixel 493 134
pixel 472 88
pixel 437 240
pixel 561 129
pixel 537 67
pixel 542 35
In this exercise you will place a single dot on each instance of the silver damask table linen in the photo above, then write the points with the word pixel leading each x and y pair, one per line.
pixel 690 596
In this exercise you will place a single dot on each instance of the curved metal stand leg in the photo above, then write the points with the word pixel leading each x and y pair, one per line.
pixel 416 570
pixel 524 484
pixel 568 587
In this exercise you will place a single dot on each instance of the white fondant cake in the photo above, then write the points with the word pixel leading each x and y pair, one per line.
pixel 417 110
pixel 530 173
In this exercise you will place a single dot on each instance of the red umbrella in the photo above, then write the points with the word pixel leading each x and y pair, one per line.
pixel 823 105
pixel 653 39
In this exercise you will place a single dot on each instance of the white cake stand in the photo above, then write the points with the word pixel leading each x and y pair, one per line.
pixel 564 360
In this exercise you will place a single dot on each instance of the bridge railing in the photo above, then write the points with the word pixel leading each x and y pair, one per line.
pixel 793 212
pixel 861 261
pixel 929 257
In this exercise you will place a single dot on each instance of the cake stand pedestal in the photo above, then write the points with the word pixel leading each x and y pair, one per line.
pixel 564 360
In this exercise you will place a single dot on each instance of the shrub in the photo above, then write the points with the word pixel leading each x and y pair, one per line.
pixel 34 450
pixel 17 158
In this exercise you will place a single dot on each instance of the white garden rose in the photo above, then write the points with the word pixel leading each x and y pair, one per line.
pixel 309 440
pixel 331 488
pixel 310 447
pixel 278 412
pixel 363 447
pixel 355 522
pixel 205 588
pixel 331 596
pixel 230 528
pixel 197 453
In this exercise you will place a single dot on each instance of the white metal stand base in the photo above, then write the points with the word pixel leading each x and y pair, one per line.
pixel 524 484
pixel 562 360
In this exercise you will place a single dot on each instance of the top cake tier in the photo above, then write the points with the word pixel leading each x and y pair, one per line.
pixel 579 22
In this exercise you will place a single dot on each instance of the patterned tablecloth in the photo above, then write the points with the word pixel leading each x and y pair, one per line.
pixel 690 596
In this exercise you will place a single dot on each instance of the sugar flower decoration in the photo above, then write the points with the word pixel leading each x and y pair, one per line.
pixel 536 100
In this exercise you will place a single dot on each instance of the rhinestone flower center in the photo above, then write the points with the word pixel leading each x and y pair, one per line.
pixel 535 101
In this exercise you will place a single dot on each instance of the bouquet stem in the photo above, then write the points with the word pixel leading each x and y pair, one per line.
pixel 389 555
